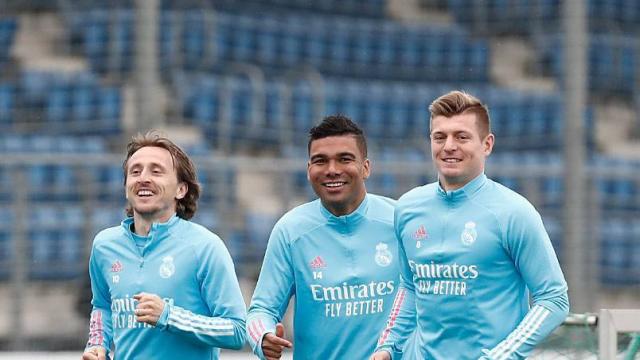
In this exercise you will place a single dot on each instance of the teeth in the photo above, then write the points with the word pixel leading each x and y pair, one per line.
pixel 451 160
pixel 145 193
pixel 334 184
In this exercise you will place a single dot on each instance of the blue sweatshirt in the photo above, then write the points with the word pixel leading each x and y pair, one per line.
pixel 470 258
pixel 184 264
pixel 343 272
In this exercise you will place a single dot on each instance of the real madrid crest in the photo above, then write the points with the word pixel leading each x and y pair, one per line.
pixel 383 255
pixel 167 268
pixel 469 234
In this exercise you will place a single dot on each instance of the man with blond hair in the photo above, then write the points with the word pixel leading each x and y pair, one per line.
pixel 471 252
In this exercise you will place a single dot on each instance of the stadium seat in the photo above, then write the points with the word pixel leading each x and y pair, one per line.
pixel 614 250
pixel 8 29
pixel 281 40
pixel 7 100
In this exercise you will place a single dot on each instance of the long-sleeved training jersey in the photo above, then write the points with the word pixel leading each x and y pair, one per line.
pixel 469 258
pixel 343 272
pixel 184 264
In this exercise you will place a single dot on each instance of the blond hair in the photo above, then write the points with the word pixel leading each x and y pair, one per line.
pixel 457 103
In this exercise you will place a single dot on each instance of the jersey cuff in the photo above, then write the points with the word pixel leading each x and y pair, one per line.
pixel 163 321
pixel 389 349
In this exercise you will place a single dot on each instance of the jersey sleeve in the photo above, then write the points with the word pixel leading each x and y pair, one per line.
pixel 100 327
pixel 528 244
pixel 274 289
pixel 402 318
pixel 225 328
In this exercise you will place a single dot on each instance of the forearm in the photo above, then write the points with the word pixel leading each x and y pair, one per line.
pixel 400 324
pixel 221 332
pixel 541 320
pixel 100 330
pixel 258 324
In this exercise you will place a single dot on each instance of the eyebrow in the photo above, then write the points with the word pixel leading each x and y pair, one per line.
pixel 346 153
pixel 152 164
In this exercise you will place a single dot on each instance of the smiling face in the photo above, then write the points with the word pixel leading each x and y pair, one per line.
pixel 457 149
pixel 336 170
pixel 152 186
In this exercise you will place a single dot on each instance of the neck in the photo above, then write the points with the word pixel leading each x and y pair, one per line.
pixel 142 224
pixel 344 209
pixel 447 186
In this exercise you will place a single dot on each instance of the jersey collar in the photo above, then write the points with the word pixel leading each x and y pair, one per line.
pixel 464 192
pixel 352 218
pixel 157 231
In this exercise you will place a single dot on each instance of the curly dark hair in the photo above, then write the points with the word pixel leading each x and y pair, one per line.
pixel 185 170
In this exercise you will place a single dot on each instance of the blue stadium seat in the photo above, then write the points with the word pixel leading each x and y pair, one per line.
pixel 72 102
pixel 554 229
pixel 5 253
pixel 111 182
pixel 352 8
pixel 208 218
pixel 525 17
pixel 8 28
pixel 103 217
pixel 7 103
pixel 612 61
pixel 5 240
pixel 281 40
pixel 614 250
pixel 258 227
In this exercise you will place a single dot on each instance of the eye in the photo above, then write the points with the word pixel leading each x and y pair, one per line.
pixel 318 161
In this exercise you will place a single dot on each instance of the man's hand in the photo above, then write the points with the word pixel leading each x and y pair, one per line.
pixel 272 345
pixel 149 308
pixel 95 353
pixel 381 355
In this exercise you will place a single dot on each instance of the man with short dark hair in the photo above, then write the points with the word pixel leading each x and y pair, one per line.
pixel 471 252
pixel 163 287
pixel 336 255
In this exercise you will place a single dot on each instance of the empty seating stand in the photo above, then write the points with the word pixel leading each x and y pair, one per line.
pixel 69 103
pixel 613 61
pixel 354 47
pixel 8 28
pixel 392 113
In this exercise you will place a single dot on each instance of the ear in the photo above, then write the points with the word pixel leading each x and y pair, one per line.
pixel 183 188
pixel 308 166
pixel 366 168
pixel 488 144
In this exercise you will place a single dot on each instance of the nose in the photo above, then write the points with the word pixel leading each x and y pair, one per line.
pixel 144 176
pixel 450 144
pixel 332 168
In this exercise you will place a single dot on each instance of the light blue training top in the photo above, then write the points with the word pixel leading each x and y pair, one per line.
pixel 471 258
pixel 183 263
pixel 342 272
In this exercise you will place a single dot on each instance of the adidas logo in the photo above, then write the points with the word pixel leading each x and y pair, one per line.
pixel 317 263
pixel 420 234
pixel 116 266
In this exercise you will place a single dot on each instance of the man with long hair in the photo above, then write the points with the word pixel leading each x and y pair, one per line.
pixel 163 287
